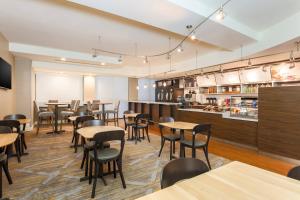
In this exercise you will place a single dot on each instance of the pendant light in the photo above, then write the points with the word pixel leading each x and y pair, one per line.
pixel 220 14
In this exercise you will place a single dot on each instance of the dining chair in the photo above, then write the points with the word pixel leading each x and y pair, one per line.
pixel 3 156
pixel 180 169
pixel 89 145
pixel 171 137
pixel 115 113
pixel 128 122
pixel 14 125
pixel 94 108
pixel 42 115
pixel 22 131
pixel 294 173
pixel 201 129
pixel 141 123
pixel 78 124
pixel 101 156
pixel 69 112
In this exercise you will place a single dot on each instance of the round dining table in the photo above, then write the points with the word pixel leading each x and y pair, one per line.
pixel 5 140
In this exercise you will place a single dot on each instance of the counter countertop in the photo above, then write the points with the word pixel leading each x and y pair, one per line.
pixel 225 115
pixel 154 102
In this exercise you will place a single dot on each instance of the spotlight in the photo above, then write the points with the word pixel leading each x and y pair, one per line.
pixel 249 63
pixel 292 65
pixel 168 56
pixel 220 14
pixel 165 84
pixel 264 68
pixel 193 36
pixel 180 49
pixel 63 59
pixel 292 58
pixel 120 60
pixel 137 87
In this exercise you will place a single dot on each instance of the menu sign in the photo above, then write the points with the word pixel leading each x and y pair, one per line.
pixel 286 72
pixel 256 75
pixel 228 78
pixel 206 80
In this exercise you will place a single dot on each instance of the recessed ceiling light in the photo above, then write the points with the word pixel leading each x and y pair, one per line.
pixel 63 59
pixel 102 63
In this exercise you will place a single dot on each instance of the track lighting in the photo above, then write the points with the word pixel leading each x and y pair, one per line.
pixel 180 49
pixel 145 60
pixel 220 14
pixel 292 58
pixel 120 60
pixel 164 84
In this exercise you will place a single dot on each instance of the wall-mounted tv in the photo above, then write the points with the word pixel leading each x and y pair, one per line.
pixel 5 74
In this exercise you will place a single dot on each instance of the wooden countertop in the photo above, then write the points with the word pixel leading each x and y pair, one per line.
pixel 89 132
pixel 236 181
pixel 7 139
pixel 155 102
pixel 24 121
pixel 179 125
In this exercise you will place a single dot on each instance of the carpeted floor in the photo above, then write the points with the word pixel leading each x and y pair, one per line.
pixel 51 170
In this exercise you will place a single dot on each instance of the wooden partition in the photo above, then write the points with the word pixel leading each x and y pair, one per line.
pixel 279 121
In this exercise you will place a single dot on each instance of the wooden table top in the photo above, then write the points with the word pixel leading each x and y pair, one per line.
pixel 131 115
pixel 89 132
pixel 24 121
pixel 7 139
pixel 179 125
pixel 236 181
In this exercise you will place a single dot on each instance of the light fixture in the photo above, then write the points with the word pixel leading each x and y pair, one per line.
pixel 154 85
pixel 145 86
pixel 220 14
pixel 193 36
pixel 292 65
pixel 165 84
pixel 180 49
pixel 249 62
pixel 292 58
pixel 145 60
pixel 63 59
pixel 137 87
pixel 264 68
pixel 102 63
pixel 94 55
pixel 120 60
pixel 168 56
pixel 201 72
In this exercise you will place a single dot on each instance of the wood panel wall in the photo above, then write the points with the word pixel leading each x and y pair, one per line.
pixel 279 121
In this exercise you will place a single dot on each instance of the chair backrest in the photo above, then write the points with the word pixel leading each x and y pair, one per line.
pixel 180 169
pixel 204 129
pixel 13 124
pixel 72 104
pixel 75 106
pixel 162 120
pixel 94 122
pixel 81 119
pixel 36 107
pixel 102 137
pixel 142 118
pixel 89 106
pixel 5 129
pixel 128 112
pixel 82 113
pixel 117 105
pixel 15 116
pixel 294 173
pixel 95 104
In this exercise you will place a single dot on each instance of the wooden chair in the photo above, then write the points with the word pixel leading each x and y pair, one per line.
pixel 141 123
pixel 70 112
pixel 171 137
pixel 182 168
pixel 115 113
pixel 203 129
pixel 41 115
pixel 128 122
pixel 101 156
pixel 78 123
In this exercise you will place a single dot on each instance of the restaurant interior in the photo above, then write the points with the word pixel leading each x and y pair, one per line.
pixel 149 99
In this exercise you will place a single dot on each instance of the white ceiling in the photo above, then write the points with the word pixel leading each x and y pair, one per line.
pixel 139 27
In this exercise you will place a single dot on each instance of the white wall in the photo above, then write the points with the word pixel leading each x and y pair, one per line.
pixel 62 87
pixel 113 89
pixel 146 94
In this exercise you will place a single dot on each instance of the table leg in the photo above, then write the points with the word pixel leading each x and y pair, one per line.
pixel 56 131
pixel 103 112
pixel 181 138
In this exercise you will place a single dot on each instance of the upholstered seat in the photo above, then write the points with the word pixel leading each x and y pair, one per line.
pixel 106 154
pixel 66 113
pixel 172 136
pixel 90 145
pixel 198 143
pixel 46 114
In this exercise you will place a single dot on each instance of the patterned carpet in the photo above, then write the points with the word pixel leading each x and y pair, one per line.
pixel 51 170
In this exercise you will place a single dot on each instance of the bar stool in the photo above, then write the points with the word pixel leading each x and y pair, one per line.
pixel 128 122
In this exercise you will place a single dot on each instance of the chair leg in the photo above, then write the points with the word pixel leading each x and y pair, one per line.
pixel 119 163
pixel 115 122
pixel 76 142
pixel 193 152
pixel 206 156
pixel 162 145
pixel 95 179
pixel 90 171
pixel 174 146
pixel 17 148
pixel 135 134
pixel 38 126
pixel 171 149
pixel 83 159
pixel 147 133
pixel 114 166
pixel 23 141
pixel 61 121
pixel 109 167
pixel 5 168
pixel 86 163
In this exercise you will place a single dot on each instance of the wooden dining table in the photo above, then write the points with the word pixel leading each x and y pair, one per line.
pixel 56 131
pixel 5 140
pixel 234 181
pixel 181 126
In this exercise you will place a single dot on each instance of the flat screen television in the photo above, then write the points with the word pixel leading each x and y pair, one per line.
pixel 5 74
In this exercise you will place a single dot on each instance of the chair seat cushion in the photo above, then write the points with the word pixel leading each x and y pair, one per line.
pixel 96 112
pixel 139 125
pixel 46 114
pixel 129 122
pixel 106 154
pixel 172 136
pixel 111 111
pixel 90 145
pixel 190 143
